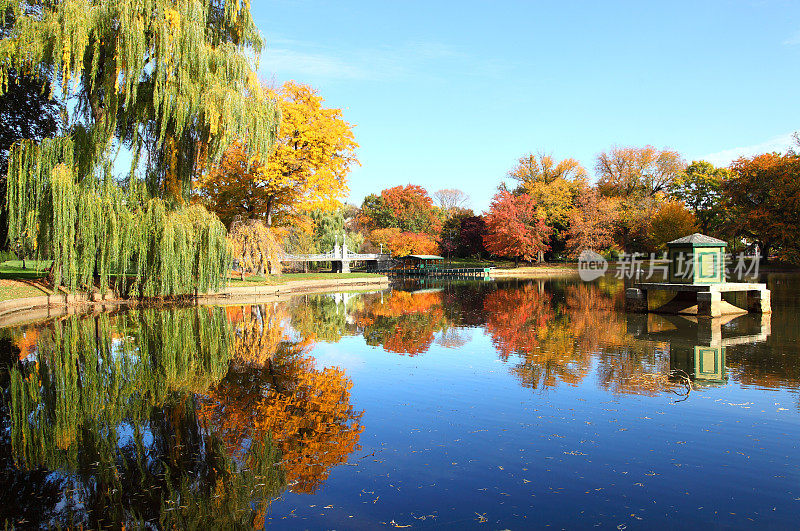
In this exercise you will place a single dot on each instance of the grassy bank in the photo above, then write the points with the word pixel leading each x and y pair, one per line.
pixel 21 289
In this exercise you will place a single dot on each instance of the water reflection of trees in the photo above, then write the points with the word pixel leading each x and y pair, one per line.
pixel 170 418
pixel 103 413
pixel 278 393
pixel 403 322
pixel 552 331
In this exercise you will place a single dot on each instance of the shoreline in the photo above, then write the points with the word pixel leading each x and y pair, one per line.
pixel 15 312
pixel 533 272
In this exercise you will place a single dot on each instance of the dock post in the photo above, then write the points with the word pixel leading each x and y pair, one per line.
pixel 636 300
pixel 708 304
pixel 759 301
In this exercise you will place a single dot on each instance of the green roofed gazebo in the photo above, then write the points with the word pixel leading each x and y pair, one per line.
pixel 697 259
pixel 697 277
pixel 421 260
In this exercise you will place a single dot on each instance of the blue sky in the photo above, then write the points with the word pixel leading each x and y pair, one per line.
pixel 450 94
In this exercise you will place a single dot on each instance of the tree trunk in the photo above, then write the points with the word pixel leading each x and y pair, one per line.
pixel 268 212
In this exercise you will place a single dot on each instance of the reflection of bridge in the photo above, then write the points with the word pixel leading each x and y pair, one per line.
pixel 341 258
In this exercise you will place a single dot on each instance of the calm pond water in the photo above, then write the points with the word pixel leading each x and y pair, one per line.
pixel 513 404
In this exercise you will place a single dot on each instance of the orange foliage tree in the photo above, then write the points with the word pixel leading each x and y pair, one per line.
pixel 515 227
pixel 406 243
pixel 307 170
pixel 591 224
pixel 764 195
pixel 671 220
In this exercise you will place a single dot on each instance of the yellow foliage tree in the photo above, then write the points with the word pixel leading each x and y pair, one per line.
pixel 554 186
pixel 307 169
pixel 670 221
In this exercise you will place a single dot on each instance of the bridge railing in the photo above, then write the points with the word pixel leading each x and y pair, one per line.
pixel 331 256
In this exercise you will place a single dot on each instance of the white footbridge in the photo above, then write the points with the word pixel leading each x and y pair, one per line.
pixel 341 258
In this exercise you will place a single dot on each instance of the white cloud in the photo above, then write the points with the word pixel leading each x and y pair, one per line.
pixel 287 58
pixel 779 143
pixel 284 62
pixel 794 40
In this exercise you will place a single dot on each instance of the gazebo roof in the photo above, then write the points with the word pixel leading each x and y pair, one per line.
pixel 426 256
pixel 699 240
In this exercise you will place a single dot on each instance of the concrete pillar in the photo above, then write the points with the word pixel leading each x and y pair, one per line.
pixel 759 301
pixel 709 304
pixel 345 266
pixel 636 300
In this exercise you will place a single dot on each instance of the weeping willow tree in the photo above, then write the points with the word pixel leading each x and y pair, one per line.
pixel 255 246
pixel 171 81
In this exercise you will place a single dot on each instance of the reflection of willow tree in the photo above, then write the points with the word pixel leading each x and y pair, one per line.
pixel 403 322
pixel 275 392
pixel 109 404
pixel 319 318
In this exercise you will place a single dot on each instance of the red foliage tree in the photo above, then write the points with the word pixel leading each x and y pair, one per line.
pixel 515 228
pixel 470 237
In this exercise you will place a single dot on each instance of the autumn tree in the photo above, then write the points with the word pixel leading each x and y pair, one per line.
pixel 451 230
pixel 591 223
pixel 672 220
pixel 406 243
pixel 554 186
pixel 255 246
pixel 173 82
pixel 408 208
pixel 515 227
pixel 307 169
pixel 543 168
pixel 700 189
pixel 635 171
pixel 763 194
pixel 470 236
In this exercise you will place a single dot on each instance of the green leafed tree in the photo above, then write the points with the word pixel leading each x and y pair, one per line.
pixel 173 82
pixel 700 189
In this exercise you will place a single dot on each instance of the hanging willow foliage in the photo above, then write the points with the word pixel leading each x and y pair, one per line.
pixel 92 229
pixel 171 80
